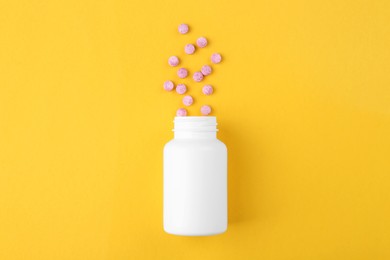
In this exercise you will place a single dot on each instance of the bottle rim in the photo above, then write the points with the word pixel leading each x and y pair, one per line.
pixel 195 123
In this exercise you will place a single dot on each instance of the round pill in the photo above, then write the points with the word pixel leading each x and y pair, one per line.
pixel 182 73
pixel 168 85
pixel 188 100
pixel 181 89
pixel 173 61
pixel 183 28
pixel 207 89
pixel 198 76
pixel 216 58
pixel 181 112
pixel 205 110
pixel 189 49
pixel 206 70
pixel 201 42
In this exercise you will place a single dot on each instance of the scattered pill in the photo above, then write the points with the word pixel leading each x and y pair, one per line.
pixel 201 42
pixel 206 70
pixel 207 89
pixel 182 73
pixel 183 28
pixel 168 85
pixel 216 58
pixel 181 89
pixel 188 100
pixel 173 61
pixel 181 112
pixel 205 110
pixel 198 76
pixel 189 49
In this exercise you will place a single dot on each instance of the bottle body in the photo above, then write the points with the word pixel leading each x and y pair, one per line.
pixel 195 184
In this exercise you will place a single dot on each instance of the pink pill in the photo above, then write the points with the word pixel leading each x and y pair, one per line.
pixel 189 49
pixel 207 89
pixel 181 112
pixel 182 73
pixel 183 28
pixel 173 61
pixel 181 89
pixel 201 42
pixel 198 76
pixel 168 85
pixel 216 58
pixel 205 110
pixel 206 70
pixel 188 100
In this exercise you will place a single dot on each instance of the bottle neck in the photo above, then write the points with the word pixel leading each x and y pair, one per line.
pixel 195 127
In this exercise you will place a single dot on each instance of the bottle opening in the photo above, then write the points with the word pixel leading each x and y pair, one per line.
pixel 195 123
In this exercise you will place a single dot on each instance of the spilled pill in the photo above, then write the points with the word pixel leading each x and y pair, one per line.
pixel 181 112
pixel 206 70
pixel 198 76
pixel 168 85
pixel 189 48
pixel 205 110
pixel 183 28
pixel 173 61
pixel 201 42
pixel 181 89
pixel 182 73
pixel 207 89
pixel 216 58
pixel 188 100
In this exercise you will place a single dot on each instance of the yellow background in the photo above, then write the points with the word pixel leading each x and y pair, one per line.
pixel 302 98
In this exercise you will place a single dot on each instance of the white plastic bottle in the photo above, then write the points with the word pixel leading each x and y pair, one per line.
pixel 195 179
